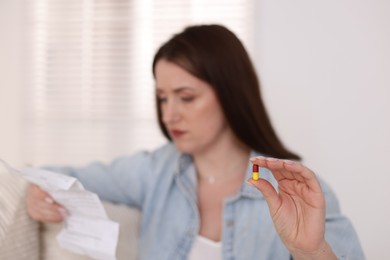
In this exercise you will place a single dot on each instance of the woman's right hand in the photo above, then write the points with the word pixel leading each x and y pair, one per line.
pixel 41 206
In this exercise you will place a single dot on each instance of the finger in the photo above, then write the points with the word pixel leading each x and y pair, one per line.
pixel 287 169
pixel 42 207
pixel 304 172
pixel 268 162
pixel 37 192
pixel 276 166
pixel 259 160
pixel 45 212
pixel 51 215
pixel 44 215
pixel 268 191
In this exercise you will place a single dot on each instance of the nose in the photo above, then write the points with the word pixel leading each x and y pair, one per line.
pixel 170 112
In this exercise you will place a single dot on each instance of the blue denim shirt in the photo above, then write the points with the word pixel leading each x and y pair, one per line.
pixel 162 184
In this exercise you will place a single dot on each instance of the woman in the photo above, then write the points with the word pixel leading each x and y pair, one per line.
pixel 192 192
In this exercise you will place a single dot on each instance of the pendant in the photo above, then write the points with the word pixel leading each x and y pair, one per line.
pixel 211 179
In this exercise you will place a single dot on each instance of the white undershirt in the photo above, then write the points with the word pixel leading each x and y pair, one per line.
pixel 205 249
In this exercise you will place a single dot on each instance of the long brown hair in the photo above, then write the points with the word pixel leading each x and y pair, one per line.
pixel 215 55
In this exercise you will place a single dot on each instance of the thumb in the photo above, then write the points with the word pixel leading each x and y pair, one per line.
pixel 268 191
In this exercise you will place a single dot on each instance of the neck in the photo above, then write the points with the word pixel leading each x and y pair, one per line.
pixel 223 161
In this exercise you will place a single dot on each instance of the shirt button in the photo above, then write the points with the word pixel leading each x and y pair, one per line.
pixel 229 223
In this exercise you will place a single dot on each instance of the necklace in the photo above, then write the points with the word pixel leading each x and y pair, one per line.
pixel 214 179
pixel 210 179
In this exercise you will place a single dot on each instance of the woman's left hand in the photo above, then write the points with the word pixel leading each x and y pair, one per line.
pixel 298 209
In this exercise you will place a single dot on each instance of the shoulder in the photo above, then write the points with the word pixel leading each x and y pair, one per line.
pixel 148 167
pixel 143 158
pixel 167 151
pixel 144 169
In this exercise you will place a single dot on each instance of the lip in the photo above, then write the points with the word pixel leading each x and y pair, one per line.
pixel 177 133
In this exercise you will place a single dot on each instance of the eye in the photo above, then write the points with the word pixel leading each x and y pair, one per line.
pixel 187 99
pixel 161 99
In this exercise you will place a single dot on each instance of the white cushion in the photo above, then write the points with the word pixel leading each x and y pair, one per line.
pixel 19 237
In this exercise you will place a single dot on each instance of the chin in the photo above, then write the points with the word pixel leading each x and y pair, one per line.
pixel 184 148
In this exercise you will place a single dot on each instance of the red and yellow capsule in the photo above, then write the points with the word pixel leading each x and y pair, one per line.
pixel 255 172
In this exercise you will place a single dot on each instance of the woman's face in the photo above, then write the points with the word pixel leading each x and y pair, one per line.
pixel 190 109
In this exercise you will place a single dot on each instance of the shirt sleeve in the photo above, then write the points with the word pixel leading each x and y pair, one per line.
pixel 124 180
pixel 339 231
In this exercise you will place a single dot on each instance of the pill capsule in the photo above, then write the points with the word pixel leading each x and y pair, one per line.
pixel 255 172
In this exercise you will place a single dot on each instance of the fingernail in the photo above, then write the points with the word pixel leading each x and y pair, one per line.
pixel 256 157
pixel 49 200
pixel 272 159
pixel 62 211
pixel 289 162
pixel 250 183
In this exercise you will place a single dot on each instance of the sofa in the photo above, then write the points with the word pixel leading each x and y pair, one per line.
pixel 22 238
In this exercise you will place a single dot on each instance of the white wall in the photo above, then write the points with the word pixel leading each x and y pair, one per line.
pixel 10 80
pixel 325 73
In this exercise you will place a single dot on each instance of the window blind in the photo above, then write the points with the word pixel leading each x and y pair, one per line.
pixel 90 91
